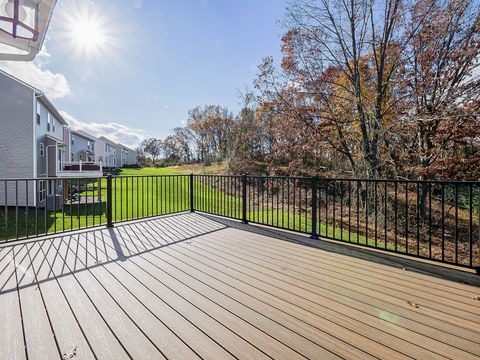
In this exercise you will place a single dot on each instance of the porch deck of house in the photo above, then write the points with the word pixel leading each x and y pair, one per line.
pixel 193 286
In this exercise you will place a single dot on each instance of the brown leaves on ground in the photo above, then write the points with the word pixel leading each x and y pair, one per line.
pixel 413 304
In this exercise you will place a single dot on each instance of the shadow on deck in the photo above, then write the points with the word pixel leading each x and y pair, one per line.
pixel 198 286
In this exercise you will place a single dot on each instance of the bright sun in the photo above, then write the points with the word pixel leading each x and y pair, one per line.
pixel 88 34
pixel 87 31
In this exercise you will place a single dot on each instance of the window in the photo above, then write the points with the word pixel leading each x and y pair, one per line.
pixel 39 109
pixel 72 157
pixel 93 148
pixel 53 123
pixel 88 145
pixel 41 190
pixel 42 149
pixel 100 158
pixel 73 139
pixel 49 121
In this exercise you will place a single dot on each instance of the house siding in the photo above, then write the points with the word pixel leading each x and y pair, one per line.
pixel 41 130
pixel 79 145
pixel 16 149
pixel 108 159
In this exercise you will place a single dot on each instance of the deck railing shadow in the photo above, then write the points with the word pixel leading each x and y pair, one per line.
pixel 32 263
pixel 372 255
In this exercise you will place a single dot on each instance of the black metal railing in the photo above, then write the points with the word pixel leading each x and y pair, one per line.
pixel 436 220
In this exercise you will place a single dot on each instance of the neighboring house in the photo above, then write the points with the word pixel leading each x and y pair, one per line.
pixel 81 146
pixel 106 152
pixel 126 156
pixel 33 145
pixel 132 157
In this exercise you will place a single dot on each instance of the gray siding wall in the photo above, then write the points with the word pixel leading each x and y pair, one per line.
pixel 41 131
pixel 132 157
pixel 80 143
pixel 16 142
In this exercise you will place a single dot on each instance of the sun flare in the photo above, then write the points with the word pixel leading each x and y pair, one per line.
pixel 87 31
pixel 88 34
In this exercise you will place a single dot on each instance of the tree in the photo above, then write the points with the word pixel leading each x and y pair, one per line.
pixel 211 128
pixel 153 147
pixel 441 126
pixel 352 46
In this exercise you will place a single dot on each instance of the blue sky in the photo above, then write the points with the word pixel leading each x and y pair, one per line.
pixel 159 59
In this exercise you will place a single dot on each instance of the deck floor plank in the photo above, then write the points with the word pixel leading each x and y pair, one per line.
pixel 180 323
pixel 104 344
pixel 12 344
pixel 238 346
pixel 39 335
pixel 212 300
pixel 437 299
pixel 371 326
pixel 313 285
pixel 67 331
pixel 133 340
pixel 147 320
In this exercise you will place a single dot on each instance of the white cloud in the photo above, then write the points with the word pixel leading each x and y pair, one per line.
pixel 54 85
pixel 116 132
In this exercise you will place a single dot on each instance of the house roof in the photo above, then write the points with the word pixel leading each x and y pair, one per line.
pixel 84 134
pixel 45 101
pixel 125 147
pixel 39 95
pixel 104 139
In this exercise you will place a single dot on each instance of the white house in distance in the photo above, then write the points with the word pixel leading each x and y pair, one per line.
pixel 33 144
pixel 125 156
pixel 106 152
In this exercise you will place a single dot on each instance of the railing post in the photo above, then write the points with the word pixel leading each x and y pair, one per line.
pixel 314 207
pixel 244 199
pixel 192 205
pixel 109 201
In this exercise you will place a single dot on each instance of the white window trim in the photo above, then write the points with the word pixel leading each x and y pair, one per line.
pixel 41 191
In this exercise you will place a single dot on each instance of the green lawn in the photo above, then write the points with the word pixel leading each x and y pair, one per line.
pixel 145 192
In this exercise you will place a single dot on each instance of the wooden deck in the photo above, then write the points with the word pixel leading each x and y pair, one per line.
pixel 191 286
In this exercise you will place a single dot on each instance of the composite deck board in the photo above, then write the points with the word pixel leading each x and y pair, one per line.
pixel 130 336
pixel 68 333
pixel 39 336
pixel 321 310
pixel 101 339
pixel 11 338
pixel 371 326
pixel 432 298
pixel 467 317
pixel 255 318
pixel 164 338
pixel 181 324
pixel 200 313
pixel 191 286
pixel 314 285
pixel 286 252
pixel 403 321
